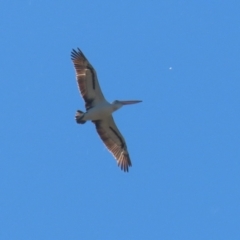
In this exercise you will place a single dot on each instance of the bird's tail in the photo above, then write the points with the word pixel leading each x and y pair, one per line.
pixel 79 116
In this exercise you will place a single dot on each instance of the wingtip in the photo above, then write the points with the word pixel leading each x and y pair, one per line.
pixel 125 164
pixel 75 53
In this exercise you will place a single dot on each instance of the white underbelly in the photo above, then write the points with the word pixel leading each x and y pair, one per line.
pixel 98 112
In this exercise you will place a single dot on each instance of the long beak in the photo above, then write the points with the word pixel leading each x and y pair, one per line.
pixel 130 102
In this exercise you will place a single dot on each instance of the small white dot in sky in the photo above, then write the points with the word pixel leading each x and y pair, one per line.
pixel 170 68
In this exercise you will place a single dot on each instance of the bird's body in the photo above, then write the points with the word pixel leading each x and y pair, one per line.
pixel 99 110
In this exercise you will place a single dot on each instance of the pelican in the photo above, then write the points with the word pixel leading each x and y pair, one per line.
pixel 99 110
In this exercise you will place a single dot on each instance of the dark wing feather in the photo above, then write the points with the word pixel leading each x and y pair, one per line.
pixel 86 79
pixel 114 141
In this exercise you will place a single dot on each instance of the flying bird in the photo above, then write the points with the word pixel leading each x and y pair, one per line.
pixel 99 110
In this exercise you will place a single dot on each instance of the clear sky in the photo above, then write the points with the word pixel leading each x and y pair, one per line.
pixel 57 179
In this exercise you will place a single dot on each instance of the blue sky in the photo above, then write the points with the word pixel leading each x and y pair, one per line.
pixel 57 179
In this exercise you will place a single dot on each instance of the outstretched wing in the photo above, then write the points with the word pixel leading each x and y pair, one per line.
pixel 86 79
pixel 114 141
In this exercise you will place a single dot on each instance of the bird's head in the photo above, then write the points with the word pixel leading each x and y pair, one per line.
pixel 118 104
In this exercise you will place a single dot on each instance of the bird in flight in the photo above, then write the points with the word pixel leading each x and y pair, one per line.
pixel 99 110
